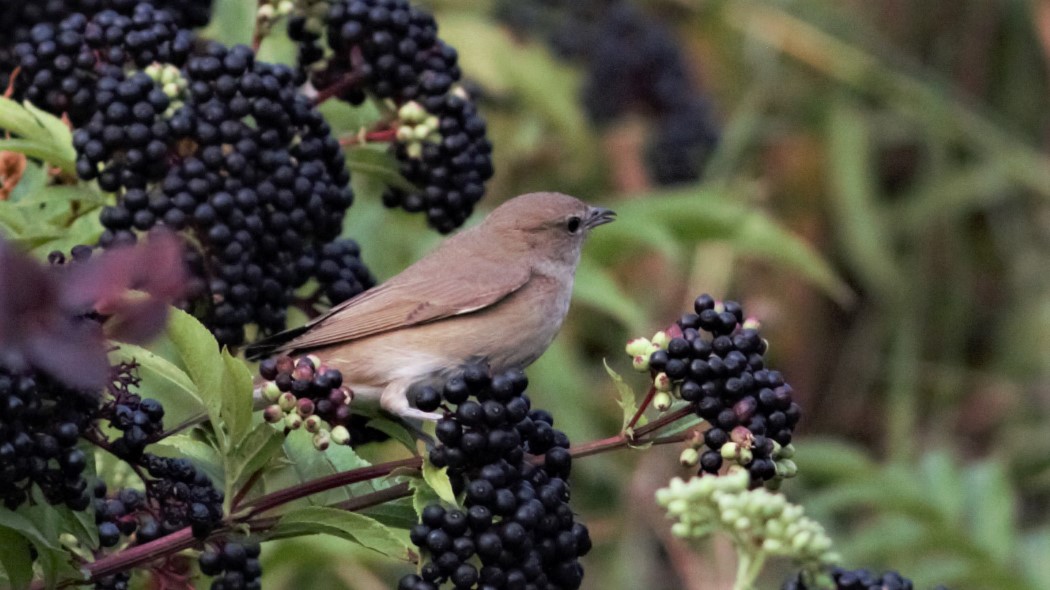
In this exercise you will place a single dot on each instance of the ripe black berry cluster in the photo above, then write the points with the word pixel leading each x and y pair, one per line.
pixel 861 579
pixel 62 64
pixel 723 376
pixel 230 152
pixel 450 173
pixel 340 272
pixel 41 422
pixel 182 496
pixel 234 566
pixel 140 421
pixel 516 529
pixel 19 18
pixel 307 394
pixel 123 514
pixel 633 64
pixel 389 49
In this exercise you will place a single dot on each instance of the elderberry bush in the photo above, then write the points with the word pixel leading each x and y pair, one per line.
pixel 390 50
pixel 715 361
pixel 516 529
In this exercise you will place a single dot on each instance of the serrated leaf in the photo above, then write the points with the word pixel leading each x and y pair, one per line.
pixel 422 495
pixel 15 558
pixel 397 514
pixel 164 381
pixel 308 463
pixel 262 444
pixel 236 409
pixel 358 528
pixel 80 523
pixel 378 164
pixel 199 352
pixel 438 481
pixel 85 229
pixel 19 120
pixel 20 523
pixel 627 400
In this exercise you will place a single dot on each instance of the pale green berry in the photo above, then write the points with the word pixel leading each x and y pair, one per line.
pixel 287 401
pixel 340 435
pixel 322 440
pixel 662 401
pixel 689 457
pixel 638 346
pixel 271 392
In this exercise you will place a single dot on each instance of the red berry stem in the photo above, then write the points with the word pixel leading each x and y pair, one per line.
pixel 323 484
pixel 641 408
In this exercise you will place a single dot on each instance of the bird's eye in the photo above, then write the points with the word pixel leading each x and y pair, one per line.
pixel 574 224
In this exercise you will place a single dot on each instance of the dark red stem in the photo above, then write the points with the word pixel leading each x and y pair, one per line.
pixel 323 484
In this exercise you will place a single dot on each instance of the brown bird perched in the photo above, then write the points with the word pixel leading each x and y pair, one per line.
pixel 497 292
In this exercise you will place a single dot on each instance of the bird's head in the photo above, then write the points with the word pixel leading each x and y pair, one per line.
pixel 551 223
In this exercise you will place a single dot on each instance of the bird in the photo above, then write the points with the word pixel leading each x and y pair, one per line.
pixel 495 293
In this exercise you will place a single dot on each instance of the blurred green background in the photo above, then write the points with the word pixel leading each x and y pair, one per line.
pixel 878 196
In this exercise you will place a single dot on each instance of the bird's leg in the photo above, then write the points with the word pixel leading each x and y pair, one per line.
pixel 394 400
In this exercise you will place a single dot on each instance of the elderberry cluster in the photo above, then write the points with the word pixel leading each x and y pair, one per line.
pixel 140 421
pixel 235 566
pixel 632 64
pixel 122 514
pixel 450 173
pixel 861 579
pixel 307 394
pixel 62 64
pixel 724 378
pixel 182 496
pixel 389 49
pixel 41 421
pixel 228 151
pixel 516 529
pixel 19 18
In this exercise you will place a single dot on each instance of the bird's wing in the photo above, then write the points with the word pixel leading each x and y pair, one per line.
pixel 414 298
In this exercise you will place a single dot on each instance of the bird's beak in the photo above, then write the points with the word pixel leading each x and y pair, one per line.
pixel 598 216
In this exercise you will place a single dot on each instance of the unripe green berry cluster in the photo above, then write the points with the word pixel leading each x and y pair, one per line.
pixel 756 520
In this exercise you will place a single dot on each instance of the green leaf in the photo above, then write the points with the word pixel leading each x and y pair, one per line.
pixel 236 409
pixel 438 481
pixel 423 495
pixel 263 443
pixel 164 381
pixel 860 226
pixel 379 164
pixel 396 431
pixel 628 401
pixel 695 214
pixel 15 558
pixel 594 286
pixel 351 526
pixel 398 514
pixel 41 135
pixel 992 504
pixel 309 464
pixel 200 355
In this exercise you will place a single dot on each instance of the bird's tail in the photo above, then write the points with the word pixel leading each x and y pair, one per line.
pixel 266 347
